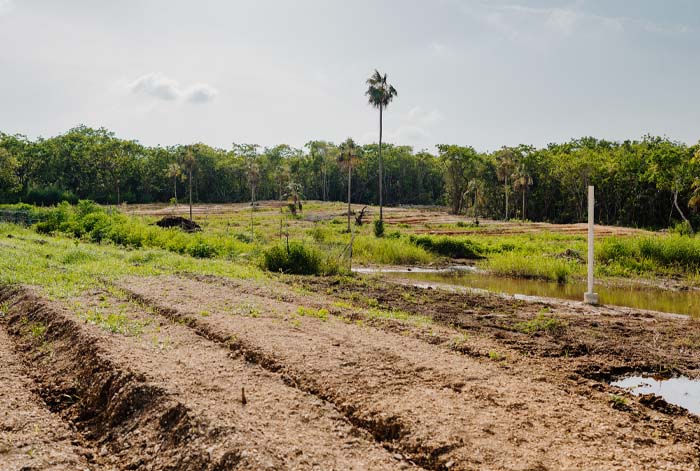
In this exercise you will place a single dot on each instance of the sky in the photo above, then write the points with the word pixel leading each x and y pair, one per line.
pixel 471 72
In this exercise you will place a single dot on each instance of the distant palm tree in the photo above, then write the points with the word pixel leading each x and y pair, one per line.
pixel 189 161
pixel 505 164
pixel 174 171
pixel 348 158
pixel 522 180
pixel 380 94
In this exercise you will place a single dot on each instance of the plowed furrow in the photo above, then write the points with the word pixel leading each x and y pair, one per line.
pixel 440 409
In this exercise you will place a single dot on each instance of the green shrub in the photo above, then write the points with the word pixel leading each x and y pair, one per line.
pixel 49 196
pixel 449 246
pixel 297 259
pixel 378 228
pixel 389 251
pixel 201 249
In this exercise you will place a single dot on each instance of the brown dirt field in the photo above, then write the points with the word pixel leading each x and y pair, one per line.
pixel 442 403
pixel 418 217
pixel 30 436
pixel 150 373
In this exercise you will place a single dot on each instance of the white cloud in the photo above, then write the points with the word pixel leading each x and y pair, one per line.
pixel 157 85
pixel 200 93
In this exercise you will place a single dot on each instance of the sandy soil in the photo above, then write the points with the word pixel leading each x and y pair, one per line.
pixel 333 380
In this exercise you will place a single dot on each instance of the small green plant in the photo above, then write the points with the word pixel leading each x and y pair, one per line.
pixel 37 330
pixel 4 309
pixel 617 402
pixel 204 313
pixel 378 228
pixel 542 323
pixel 309 312
pixel 495 356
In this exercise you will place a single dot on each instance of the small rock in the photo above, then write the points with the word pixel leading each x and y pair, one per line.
pixel 398 456
pixel 449 464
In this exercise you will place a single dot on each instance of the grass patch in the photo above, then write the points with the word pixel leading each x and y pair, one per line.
pixel 542 323
pixel 452 247
pixel 388 251
pixel 317 313
pixel 116 323
pixel 517 265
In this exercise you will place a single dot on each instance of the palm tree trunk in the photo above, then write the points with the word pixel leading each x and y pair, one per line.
pixel 190 194
pixel 505 188
pixel 381 200
pixel 349 193
pixel 175 187
pixel 524 190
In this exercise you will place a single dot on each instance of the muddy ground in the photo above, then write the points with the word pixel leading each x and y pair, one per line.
pixel 205 373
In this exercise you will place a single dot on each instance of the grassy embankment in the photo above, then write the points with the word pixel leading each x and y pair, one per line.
pixel 250 238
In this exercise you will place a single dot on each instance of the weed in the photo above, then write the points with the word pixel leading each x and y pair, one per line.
pixel 495 356
pixel 309 312
pixel 37 330
pixel 617 402
pixel 542 323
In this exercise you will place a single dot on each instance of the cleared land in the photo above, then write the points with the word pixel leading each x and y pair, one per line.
pixel 143 359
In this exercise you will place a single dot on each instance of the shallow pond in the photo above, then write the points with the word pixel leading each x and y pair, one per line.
pixel 636 296
pixel 681 391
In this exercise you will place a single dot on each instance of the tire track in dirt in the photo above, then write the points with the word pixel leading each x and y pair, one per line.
pixel 440 409
pixel 277 427
pixel 31 437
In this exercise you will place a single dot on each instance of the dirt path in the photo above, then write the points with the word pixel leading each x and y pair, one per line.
pixel 419 398
pixel 31 437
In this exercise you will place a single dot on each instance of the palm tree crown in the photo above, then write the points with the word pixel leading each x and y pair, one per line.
pixel 380 93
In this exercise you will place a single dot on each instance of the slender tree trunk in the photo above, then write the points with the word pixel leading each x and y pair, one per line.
pixel 190 194
pixel 118 194
pixel 505 188
pixel 675 203
pixel 175 187
pixel 349 193
pixel 381 200
pixel 523 215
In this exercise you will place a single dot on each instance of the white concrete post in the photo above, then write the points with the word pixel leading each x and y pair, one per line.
pixel 590 297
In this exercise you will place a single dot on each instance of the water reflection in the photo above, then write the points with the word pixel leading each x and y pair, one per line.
pixel 681 391
pixel 640 297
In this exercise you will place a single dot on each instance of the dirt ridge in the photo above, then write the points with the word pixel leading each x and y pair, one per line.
pixel 136 424
pixel 387 431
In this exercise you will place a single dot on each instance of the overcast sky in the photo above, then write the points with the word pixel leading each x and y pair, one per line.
pixel 480 73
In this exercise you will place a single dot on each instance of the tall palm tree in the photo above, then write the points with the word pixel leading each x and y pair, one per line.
pixel 505 164
pixel 522 180
pixel 174 171
pixel 348 158
pixel 380 93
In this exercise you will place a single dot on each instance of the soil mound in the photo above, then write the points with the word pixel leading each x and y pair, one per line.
pixel 178 221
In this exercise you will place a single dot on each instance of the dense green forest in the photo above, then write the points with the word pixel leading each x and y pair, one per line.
pixel 652 182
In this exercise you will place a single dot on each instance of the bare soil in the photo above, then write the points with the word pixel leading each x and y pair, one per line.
pixel 194 372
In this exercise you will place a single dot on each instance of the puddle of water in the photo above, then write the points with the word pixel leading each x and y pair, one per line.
pixel 681 391
pixel 640 297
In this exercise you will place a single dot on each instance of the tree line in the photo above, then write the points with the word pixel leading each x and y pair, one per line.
pixel 651 182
